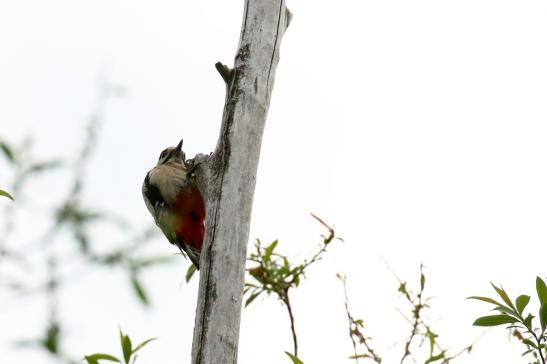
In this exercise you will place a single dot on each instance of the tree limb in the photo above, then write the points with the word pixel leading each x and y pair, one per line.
pixel 227 178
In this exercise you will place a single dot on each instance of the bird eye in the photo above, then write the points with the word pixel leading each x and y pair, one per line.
pixel 163 154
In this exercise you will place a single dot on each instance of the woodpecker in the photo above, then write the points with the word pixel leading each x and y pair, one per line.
pixel 174 200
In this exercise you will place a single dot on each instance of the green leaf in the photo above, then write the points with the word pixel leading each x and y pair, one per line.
pixel 51 341
pixel 5 194
pixel 522 302
pixel 90 360
pixel 431 337
pixel 530 343
pixel 528 321
pixel 141 345
pixel 285 263
pixel 252 298
pixel 435 358
pixel 190 272
pixel 360 356
pixel 7 151
pixel 485 299
pixel 504 296
pixel 402 288
pixel 543 316
pixel 94 358
pixel 294 359
pixel 126 346
pixel 139 290
pixel 506 310
pixel 541 289
pixel 494 320
pixel 269 250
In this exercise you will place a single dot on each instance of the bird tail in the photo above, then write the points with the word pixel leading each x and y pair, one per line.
pixel 190 252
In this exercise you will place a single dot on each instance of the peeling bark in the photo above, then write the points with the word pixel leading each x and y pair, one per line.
pixel 227 178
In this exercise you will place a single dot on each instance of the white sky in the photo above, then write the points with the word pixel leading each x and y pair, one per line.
pixel 417 128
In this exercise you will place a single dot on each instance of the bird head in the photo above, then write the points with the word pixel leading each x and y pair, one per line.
pixel 172 155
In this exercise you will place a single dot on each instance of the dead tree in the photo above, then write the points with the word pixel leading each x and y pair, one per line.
pixel 227 178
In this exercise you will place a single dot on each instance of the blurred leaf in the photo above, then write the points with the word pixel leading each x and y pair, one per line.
pixel 73 214
pixel 190 272
pixel 94 358
pixel 294 359
pixel 44 166
pixel 522 302
pixel 148 262
pixel 141 345
pixel 126 346
pixel 504 296
pixel 402 288
pixel 51 340
pixel 528 352
pixel 431 336
pixel 543 316
pixel 4 193
pixel 541 289
pixel 109 259
pixel 139 290
pixel 8 153
pixel 269 250
pixel 81 237
pixel 494 320
pixel 249 286
pixel 485 299
pixel 259 274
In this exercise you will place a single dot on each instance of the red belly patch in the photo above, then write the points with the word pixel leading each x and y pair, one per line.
pixel 190 209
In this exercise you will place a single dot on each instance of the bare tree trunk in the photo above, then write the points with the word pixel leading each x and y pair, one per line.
pixel 227 180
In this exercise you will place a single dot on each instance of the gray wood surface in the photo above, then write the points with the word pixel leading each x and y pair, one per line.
pixel 227 180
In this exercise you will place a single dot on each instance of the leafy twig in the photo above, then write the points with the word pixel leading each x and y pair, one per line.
pixel 129 353
pixel 355 334
pixel 276 275
pixel 512 314
pixel 418 304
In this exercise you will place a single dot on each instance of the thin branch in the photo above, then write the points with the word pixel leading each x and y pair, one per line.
pixel 418 306
pixel 287 303
pixel 317 256
pixel 539 345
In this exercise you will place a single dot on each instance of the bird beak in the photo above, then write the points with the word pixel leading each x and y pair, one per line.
pixel 178 148
pixel 176 152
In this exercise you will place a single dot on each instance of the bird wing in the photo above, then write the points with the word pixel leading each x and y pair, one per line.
pixel 165 219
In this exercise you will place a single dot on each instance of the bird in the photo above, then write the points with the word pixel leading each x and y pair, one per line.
pixel 173 198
